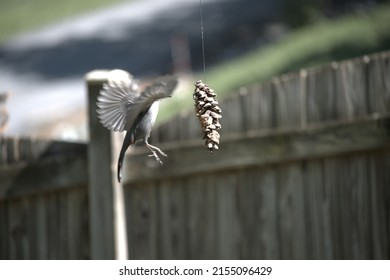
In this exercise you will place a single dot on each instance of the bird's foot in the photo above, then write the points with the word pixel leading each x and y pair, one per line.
pixel 154 154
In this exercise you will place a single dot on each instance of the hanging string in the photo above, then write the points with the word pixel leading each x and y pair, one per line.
pixel 202 33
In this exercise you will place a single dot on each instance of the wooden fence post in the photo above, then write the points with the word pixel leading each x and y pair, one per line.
pixel 108 239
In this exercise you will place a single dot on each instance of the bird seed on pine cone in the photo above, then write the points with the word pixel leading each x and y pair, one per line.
pixel 208 113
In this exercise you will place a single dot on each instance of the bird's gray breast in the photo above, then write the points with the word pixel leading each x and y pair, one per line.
pixel 146 123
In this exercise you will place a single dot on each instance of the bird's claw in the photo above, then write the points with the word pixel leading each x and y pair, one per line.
pixel 154 154
pixel 163 154
pixel 154 151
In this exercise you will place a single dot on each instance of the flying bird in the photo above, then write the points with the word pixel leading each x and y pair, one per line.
pixel 123 107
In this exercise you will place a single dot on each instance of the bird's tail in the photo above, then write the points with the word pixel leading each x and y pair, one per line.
pixel 129 139
pixel 120 162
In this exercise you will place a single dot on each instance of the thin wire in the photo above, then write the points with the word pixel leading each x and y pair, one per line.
pixel 202 33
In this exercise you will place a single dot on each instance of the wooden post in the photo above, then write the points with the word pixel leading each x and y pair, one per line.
pixel 106 203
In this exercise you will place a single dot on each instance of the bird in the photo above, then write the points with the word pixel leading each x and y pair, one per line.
pixel 122 106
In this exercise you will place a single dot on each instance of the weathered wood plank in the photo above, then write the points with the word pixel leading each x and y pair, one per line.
pixel 291 212
pixel 250 105
pixel 62 230
pixel 244 213
pixel 4 236
pixel 288 103
pixel 360 167
pixel 352 208
pixel 3 150
pixel 380 197
pixel 264 104
pixel 321 94
pixel 73 222
pixel 30 234
pixel 267 217
pixel 228 225
pixel 331 169
pixel 173 238
pixel 378 85
pixel 189 158
pixel 350 80
pixel 76 204
pixel 52 225
pixel 193 127
pixel 246 195
pixel 201 201
pixel 41 227
pixel 232 117
pixel 18 239
pixel 142 221
pixel 319 237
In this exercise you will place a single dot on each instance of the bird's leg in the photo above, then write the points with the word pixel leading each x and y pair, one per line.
pixel 153 149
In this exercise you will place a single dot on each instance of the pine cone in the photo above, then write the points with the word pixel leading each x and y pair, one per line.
pixel 208 113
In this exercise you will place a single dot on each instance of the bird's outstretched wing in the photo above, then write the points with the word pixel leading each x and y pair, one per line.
pixel 116 99
pixel 161 88
pixel 120 102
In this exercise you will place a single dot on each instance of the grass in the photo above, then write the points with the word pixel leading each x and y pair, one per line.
pixel 17 16
pixel 323 42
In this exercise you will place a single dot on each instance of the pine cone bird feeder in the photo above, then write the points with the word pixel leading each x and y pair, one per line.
pixel 208 113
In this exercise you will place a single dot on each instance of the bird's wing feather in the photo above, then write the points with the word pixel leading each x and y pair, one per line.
pixel 115 101
pixel 119 106
pixel 161 88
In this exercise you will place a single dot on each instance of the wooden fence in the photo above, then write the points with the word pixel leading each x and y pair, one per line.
pixel 302 173
pixel 43 200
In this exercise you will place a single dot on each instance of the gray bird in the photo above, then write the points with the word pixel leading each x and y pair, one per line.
pixel 122 106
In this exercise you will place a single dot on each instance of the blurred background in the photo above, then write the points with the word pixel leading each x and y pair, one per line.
pixel 302 170
pixel 46 48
